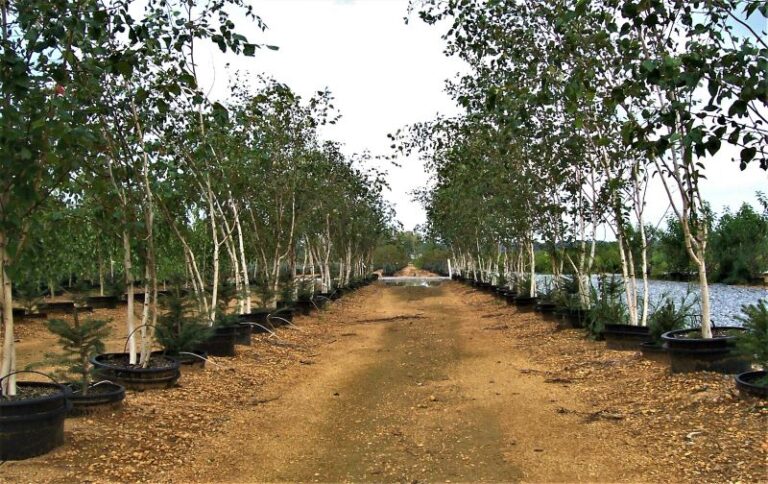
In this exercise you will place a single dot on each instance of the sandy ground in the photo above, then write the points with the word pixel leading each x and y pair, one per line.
pixel 418 384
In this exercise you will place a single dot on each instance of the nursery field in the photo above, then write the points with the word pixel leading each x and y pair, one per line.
pixel 399 383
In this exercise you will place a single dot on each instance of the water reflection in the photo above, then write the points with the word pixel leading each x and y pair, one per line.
pixel 413 281
pixel 725 301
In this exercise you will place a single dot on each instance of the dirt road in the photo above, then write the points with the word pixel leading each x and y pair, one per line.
pixel 417 384
pixel 415 389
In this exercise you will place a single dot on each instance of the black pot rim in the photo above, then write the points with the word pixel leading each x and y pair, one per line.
pixel 625 328
pixel 227 330
pixel 652 344
pixel 742 378
pixel 65 392
pixel 670 335
pixel 116 389
pixel 99 364
pixel 746 386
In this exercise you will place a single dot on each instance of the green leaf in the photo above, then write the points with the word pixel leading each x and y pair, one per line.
pixel 747 154
pixel 649 65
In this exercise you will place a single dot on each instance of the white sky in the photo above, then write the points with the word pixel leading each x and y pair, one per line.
pixel 384 75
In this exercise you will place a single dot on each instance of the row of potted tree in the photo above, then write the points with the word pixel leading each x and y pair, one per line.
pixel 120 172
pixel 572 111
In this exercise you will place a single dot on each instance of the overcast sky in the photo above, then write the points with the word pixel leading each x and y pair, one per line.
pixel 384 75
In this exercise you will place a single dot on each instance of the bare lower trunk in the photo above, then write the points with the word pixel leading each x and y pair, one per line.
pixel 626 274
pixel 8 365
pixel 216 248
pixel 644 268
pixel 101 274
pixel 129 317
pixel 243 263
pixel 145 320
pixel 706 322
pixel 533 292
pixel 294 279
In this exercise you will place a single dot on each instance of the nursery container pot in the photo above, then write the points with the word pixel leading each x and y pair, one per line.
pixel 525 303
pixel 101 396
pixel 33 426
pixel 304 306
pixel 102 302
pixel 243 337
pixel 221 342
pixel 688 351
pixel 162 372
pixel 747 384
pixel 193 361
pixel 654 351
pixel 625 337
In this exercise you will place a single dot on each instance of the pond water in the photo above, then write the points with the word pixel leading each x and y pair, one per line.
pixel 725 301
pixel 414 281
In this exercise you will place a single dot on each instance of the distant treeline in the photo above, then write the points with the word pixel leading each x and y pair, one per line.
pixel 738 248
pixel 409 247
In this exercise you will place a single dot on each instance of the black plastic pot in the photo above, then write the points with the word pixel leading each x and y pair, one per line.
pixel 222 341
pixel 243 337
pixel 33 426
pixel 102 302
pixel 191 362
pixel 574 318
pixel 258 315
pixel 18 313
pixel 545 307
pixel 511 296
pixel 115 368
pixel 322 299
pixel 625 337
pixel 304 307
pixel 36 316
pixel 654 351
pixel 745 382
pixel 280 316
pixel 60 307
pixel 525 303
pixel 102 396
pixel 688 352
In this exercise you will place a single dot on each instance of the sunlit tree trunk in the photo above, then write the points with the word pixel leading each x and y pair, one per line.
pixel 130 299
pixel 8 365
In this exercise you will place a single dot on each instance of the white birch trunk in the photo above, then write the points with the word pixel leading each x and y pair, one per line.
pixel 8 364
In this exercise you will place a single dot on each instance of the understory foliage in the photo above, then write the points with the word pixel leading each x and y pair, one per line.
pixel 571 111
pixel 754 342
pixel 669 315
pixel 80 340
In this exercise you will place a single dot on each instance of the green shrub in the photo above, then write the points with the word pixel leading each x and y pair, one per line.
pixel 754 342
pixel 608 307
pixel 177 330
pixel 30 295
pixel 667 315
pixel 80 341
